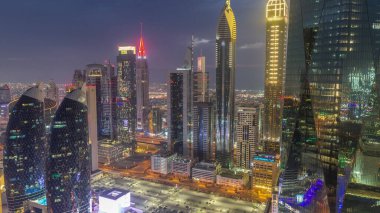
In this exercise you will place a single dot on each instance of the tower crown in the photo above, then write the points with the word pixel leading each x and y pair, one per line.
pixel 227 23
pixel 276 9
pixel 141 53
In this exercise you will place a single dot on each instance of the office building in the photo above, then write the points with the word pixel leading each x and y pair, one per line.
pixel 175 113
pixel 114 201
pixel 52 91
pixel 181 166
pixel 24 153
pixel 155 120
pixel 5 99
pixel 201 82
pixel 264 166
pixel 202 114
pixel 92 118
pixel 230 179
pixel 78 79
pixel 204 172
pixel 110 151
pixel 246 136
pixel 126 77
pixel 68 164
pixel 276 41
pixel 162 163
pixel 36 206
pixel 225 85
pixel 142 86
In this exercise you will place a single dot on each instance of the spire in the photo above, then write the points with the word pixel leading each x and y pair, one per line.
pixel 228 3
pixel 141 53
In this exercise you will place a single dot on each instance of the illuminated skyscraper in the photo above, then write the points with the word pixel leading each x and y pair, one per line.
pixel 225 85
pixel 276 41
pixel 246 136
pixel 68 164
pixel 5 99
pixel 155 120
pixel 78 78
pixel 175 113
pixel 201 82
pixel 24 152
pixel 126 76
pixel 142 85
pixel 201 146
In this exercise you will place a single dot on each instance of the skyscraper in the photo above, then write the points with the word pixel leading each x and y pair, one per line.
pixel 276 41
pixel 201 82
pixel 175 113
pixel 91 103
pixel 142 86
pixel 342 76
pixel 52 91
pixel 225 85
pixel 201 146
pixel 68 163
pixel 107 113
pixel 5 99
pixel 155 120
pixel 246 136
pixel 24 153
pixel 126 76
pixel 78 78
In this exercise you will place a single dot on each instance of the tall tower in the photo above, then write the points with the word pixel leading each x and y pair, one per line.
pixel 24 152
pixel 142 85
pixel 5 99
pixel 246 136
pixel 68 163
pixel 175 113
pixel 201 82
pixel 225 85
pixel 276 41
pixel 126 74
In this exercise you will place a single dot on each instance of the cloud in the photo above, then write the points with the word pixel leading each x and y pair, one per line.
pixel 199 41
pixel 256 45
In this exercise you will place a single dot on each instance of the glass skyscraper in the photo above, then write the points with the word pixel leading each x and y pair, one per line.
pixel 275 64
pixel 68 163
pixel 175 113
pixel 332 64
pixel 126 77
pixel 225 85
pixel 24 152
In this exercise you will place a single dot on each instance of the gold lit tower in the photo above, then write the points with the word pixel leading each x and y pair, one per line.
pixel 276 40
pixel 225 85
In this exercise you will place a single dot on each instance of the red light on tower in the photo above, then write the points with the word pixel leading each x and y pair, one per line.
pixel 141 53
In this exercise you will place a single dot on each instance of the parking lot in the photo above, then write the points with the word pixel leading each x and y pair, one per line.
pixel 154 197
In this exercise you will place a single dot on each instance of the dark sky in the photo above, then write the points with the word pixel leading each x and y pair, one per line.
pixel 47 39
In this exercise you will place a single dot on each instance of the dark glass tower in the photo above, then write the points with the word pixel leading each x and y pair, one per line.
pixel 68 164
pixel 225 85
pixel 175 112
pixel 127 113
pixel 24 153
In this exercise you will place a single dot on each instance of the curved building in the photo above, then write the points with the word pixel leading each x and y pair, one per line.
pixel 24 151
pixel 68 162
pixel 225 85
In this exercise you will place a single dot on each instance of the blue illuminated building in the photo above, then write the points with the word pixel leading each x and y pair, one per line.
pixel 68 164
pixel 24 153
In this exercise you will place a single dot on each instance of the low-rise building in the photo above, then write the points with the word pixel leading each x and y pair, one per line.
pixel 181 166
pixel 264 167
pixel 230 179
pixel 110 151
pixel 204 172
pixel 114 201
pixel 36 206
pixel 162 163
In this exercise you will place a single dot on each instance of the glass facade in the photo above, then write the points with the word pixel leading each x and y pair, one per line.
pixel 175 113
pixel 24 153
pixel 127 112
pixel 68 164
pixel 225 85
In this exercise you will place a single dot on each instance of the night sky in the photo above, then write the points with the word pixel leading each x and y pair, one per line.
pixel 47 39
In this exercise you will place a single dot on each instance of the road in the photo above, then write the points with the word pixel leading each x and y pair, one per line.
pixel 155 197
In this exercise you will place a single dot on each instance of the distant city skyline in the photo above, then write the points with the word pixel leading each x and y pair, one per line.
pixel 48 40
